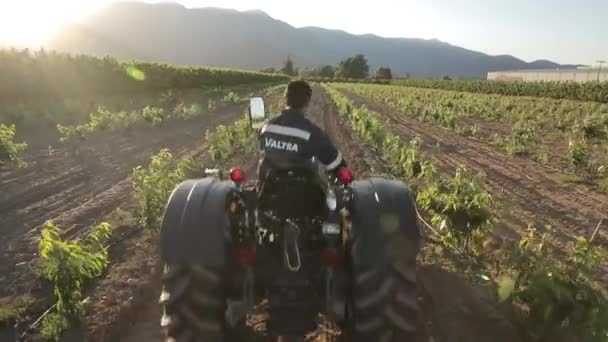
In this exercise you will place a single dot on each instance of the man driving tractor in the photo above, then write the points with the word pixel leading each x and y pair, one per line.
pixel 293 137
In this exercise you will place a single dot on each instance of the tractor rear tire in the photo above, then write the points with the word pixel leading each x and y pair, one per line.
pixel 193 305
pixel 384 248
pixel 195 239
pixel 385 304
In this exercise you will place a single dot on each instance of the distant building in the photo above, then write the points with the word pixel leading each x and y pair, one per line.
pixel 582 74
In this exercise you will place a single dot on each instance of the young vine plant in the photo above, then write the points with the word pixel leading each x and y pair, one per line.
pixel 153 185
pixel 68 265
pixel 9 150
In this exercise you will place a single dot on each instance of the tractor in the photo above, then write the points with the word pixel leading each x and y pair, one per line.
pixel 306 243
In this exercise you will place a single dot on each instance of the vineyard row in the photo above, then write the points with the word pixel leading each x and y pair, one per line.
pixel 552 291
pixel 589 91
pixel 525 123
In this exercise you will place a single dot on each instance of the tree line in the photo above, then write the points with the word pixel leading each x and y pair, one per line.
pixel 355 67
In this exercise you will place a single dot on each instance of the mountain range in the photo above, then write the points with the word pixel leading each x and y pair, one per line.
pixel 172 33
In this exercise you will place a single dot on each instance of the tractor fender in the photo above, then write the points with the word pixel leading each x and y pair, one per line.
pixel 195 226
pixel 384 223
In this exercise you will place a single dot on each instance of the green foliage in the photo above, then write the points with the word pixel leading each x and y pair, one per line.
pixel 226 141
pixel 275 91
pixel 239 138
pixel 187 112
pixel 288 68
pixel 589 91
pixel 557 293
pixel 444 107
pixel 530 120
pixel 353 67
pixel 384 73
pixel 74 110
pixel 522 133
pixel 27 75
pixel 9 150
pixel 338 79
pixel 153 186
pixel 440 110
pixel 153 115
pixel 326 71
pixel 73 134
pixel 594 125
pixel 168 99
pixel 104 119
pixel 100 120
pixel 459 205
pixel 67 264
pixel 461 208
pixel 53 326
pixel 578 154
pixel 232 98
pixel 407 160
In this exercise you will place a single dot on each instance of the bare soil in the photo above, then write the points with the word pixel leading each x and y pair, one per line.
pixel 78 189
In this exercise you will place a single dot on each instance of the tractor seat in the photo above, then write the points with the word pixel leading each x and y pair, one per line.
pixel 293 189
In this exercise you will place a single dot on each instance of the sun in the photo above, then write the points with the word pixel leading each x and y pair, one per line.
pixel 32 22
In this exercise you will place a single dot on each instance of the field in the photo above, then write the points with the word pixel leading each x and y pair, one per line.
pixel 541 242
pixel 511 190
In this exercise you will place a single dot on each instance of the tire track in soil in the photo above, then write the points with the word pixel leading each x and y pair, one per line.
pixel 451 310
pixel 570 208
pixel 89 187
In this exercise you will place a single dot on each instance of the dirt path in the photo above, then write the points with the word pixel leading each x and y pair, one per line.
pixel 534 196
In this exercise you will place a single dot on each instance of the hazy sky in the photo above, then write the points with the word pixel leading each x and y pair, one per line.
pixel 566 31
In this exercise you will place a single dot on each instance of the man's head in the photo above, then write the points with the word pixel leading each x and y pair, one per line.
pixel 298 94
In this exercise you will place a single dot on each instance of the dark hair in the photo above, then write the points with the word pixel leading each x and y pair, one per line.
pixel 298 94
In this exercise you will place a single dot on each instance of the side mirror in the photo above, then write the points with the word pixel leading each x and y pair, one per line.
pixel 257 115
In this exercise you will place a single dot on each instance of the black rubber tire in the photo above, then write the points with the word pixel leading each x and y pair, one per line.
pixel 384 247
pixel 193 304
pixel 385 304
